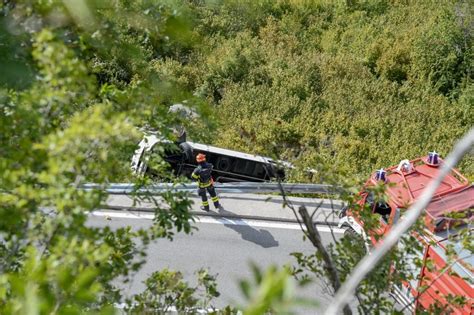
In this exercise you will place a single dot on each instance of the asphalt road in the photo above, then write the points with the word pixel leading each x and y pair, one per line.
pixel 244 206
pixel 226 247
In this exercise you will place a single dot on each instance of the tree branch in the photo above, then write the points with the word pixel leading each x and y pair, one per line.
pixel 315 238
pixel 313 235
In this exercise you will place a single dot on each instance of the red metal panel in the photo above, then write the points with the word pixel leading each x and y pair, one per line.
pixel 461 200
pixel 441 283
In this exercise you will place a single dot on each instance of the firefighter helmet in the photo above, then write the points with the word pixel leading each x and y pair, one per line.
pixel 200 157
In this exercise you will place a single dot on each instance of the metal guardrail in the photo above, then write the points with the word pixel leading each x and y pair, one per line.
pixel 229 188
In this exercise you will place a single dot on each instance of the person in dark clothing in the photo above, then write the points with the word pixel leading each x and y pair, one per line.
pixel 202 174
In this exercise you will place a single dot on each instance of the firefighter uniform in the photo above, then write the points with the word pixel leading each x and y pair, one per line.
pixel 202 174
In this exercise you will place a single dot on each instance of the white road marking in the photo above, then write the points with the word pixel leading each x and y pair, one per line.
pixel 212 220
pixel 173 310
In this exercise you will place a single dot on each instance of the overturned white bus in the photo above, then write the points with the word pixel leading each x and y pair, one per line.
pixel 229 165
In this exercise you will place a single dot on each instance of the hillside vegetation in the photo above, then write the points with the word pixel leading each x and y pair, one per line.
pixel 358 85
pixel 355 84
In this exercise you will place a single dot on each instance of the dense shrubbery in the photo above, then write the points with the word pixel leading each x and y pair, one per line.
pixel 359 86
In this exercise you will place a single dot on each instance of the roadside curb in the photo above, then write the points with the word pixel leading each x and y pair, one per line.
pixel 217 215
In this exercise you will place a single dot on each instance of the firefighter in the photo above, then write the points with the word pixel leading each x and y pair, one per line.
pixel 202 174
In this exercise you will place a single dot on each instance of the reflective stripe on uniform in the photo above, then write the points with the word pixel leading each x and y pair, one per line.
pixel 215 199
pixel 194 175
pixel 205 185
pixel 205 203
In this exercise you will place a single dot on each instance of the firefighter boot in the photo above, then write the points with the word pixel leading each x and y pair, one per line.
pixel 205 206
pixel 215 200
pixel 218 206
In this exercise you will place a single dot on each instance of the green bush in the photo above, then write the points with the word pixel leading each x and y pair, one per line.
pixel 360 85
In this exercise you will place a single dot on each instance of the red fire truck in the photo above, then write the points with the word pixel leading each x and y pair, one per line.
pixel 439 279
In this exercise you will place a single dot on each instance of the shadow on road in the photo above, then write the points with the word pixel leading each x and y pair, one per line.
pixel 327 205
pixel 258 236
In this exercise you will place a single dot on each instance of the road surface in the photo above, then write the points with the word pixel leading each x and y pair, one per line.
pixel 225 247
pixel 250 206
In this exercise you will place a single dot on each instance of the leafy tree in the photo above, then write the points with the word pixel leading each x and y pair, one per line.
pixel 76 122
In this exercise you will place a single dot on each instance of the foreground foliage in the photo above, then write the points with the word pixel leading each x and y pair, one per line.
pixel 67 118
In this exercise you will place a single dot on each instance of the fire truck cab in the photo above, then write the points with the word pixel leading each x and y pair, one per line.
pixel 448 214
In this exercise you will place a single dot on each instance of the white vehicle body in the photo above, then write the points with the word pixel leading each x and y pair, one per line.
pixel 229 165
